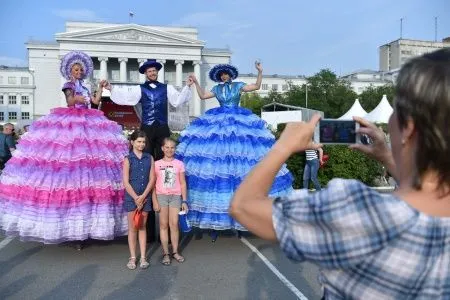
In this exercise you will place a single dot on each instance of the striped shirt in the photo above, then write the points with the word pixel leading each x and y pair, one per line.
pixel 311 154
pixel 368 245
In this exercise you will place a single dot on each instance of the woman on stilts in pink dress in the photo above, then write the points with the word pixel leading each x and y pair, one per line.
pixel 63 182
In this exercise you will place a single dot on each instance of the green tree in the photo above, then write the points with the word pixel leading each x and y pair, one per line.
pixel 326 92
pixel 254 102
pixel 274 96
pixel 371 96
pixel 330 94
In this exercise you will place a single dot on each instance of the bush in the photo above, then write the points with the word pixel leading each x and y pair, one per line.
pixel 350 164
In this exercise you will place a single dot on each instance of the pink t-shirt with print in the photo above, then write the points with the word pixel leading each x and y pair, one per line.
pixel 168 176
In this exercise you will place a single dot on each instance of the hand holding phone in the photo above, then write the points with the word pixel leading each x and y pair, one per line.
pixel 339 132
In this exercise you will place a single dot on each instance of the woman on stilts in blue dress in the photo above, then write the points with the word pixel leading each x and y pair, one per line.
pixel 219 149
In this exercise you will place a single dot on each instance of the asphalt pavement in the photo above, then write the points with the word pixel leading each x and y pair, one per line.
pixel 230 268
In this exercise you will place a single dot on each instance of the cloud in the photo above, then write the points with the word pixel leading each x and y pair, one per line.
pixel 12 61
pixel 77 14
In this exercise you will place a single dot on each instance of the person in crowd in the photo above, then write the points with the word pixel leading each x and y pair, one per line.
pixel 64 181
pixel 220 147
pixel 7 144
pixel 313 161
pixel 170 194
pixel 370 245
pixel 138 180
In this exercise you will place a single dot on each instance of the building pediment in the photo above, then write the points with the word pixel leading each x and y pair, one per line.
pixel 130 33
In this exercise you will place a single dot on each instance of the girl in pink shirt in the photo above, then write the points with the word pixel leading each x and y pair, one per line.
pixel 170 193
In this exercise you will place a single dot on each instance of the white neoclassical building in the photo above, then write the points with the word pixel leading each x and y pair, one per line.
pixel 16 95
pixel 117 51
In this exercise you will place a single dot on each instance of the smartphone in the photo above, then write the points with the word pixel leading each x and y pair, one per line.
pixel 339 132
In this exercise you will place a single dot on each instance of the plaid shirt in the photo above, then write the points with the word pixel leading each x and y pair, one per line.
pixel 368 245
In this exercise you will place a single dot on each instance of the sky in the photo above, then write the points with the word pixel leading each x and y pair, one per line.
pixel 289 37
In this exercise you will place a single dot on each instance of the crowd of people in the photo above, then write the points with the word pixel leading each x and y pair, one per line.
pixel 74 176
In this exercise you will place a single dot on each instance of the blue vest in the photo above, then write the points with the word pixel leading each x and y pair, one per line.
pixel 154 103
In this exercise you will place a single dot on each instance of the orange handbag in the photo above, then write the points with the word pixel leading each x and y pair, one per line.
pixel 138 218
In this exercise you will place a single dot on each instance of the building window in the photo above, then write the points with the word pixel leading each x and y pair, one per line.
pixel 12 116
pixel 96 74
pixel 274 87
pixel 12 99
pixel 133 76
pixel 115 75
pixel 1 79
pixel 12 80
pixel 265 86
pixel 285 87
pixel 25 115
pixel 2 116
pixel 1 99
pixel 25 99
pixel 24 80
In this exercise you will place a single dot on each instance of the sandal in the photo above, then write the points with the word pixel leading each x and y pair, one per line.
pixel 144 263
pixel 166 260
pixel 179 259
pixel 131 263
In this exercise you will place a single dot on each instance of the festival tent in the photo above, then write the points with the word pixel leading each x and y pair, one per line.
pixel 381 113
pixel 355 111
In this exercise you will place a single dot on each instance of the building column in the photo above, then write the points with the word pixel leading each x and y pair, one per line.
pixel 161 77
pixel 179 73
pixel 103 67
pixel 142 77
pixel 123 69
pixel 197 102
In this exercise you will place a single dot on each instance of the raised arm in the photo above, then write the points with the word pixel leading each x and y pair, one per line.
pixel 255 86
pixel 201 92
pixel 123 95
pixel 378 150
pixel 177 98
pixel 98 94
pixel 253 191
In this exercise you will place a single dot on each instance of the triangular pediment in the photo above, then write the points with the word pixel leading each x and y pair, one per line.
pixel 131 33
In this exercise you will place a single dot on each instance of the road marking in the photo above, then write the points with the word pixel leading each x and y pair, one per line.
pixel 5 242
pixel 277 273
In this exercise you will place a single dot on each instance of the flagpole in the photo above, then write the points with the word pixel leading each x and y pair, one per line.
pixel 130 16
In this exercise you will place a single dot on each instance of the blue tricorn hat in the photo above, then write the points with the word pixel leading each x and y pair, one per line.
pixel 150 63
pixel 216 71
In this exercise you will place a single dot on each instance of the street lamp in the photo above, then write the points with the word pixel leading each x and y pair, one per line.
pixel 306 95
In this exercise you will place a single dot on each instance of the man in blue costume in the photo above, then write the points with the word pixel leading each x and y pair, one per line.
pixel 154 97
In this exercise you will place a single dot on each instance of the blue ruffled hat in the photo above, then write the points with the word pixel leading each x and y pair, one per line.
pixel 149 64
pixel 214 73
pixel 76 57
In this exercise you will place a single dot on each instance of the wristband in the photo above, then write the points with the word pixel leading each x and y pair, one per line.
pixel 184 201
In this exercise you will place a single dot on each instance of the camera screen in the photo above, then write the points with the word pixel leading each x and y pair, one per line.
pixel 337 132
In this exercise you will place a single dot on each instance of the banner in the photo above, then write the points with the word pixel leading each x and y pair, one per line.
pixel 123 114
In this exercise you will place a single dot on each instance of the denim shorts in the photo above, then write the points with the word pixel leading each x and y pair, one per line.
pixel 169 200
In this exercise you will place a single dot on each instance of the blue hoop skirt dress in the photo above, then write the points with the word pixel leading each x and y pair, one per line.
pixel 218 150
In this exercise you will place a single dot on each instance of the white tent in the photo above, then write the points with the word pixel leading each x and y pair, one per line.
pixel 381 113
pixel 355 111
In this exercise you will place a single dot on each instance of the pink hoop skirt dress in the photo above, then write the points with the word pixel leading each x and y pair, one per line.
pixel 64 180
